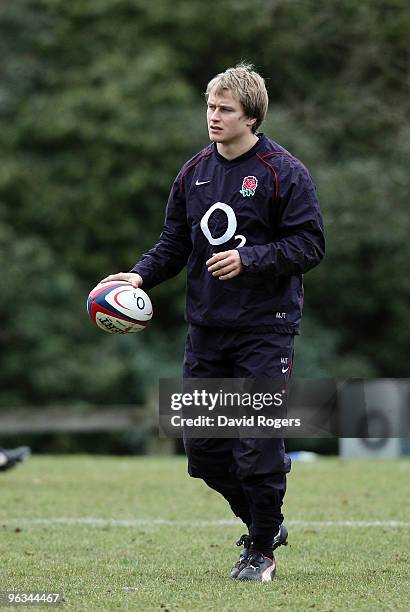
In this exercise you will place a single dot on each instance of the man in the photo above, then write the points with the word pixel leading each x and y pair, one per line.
pixel 10 457
pixel 244 217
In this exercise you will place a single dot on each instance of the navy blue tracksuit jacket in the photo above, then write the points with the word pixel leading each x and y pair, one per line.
pixel 262 203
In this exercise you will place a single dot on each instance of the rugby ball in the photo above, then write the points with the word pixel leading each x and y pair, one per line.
pixel 119 308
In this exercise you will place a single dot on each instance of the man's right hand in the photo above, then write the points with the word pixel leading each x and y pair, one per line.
pixel 131 277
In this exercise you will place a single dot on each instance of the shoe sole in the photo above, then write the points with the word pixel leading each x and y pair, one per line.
pixel 283 541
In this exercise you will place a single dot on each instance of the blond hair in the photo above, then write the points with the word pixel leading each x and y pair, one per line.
pixel 247 86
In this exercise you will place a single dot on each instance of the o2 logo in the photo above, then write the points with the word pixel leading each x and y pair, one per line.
pixel 140 302
pixel 230 230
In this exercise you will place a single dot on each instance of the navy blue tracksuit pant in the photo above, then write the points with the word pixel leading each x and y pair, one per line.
pixel 250 473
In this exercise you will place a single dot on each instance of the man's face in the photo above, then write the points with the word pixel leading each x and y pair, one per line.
pixel 227 122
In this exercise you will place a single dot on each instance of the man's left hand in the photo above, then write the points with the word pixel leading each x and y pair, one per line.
pixel 225 265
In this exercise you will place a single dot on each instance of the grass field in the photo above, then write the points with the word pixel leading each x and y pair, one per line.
pixel 91 527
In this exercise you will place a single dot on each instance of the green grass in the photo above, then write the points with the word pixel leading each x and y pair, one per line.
pixel 184 567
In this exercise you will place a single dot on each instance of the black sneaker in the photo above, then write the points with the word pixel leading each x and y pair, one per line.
pixel 10 457
pixel 258 568
pixel 281 538
pixel 243 557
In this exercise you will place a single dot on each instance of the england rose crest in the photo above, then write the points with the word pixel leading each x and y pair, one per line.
pixel 249 185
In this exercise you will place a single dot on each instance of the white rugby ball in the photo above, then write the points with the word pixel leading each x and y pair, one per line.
pixel 119 308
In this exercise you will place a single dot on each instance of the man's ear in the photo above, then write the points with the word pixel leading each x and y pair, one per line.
pixel 250 122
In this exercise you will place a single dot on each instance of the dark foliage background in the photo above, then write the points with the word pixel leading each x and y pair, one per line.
pixel 100 104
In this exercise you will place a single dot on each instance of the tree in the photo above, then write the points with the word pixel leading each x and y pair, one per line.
pixel 101 103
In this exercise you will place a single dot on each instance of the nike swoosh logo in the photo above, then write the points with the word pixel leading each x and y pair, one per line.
pixel 284 370
pixel 201 182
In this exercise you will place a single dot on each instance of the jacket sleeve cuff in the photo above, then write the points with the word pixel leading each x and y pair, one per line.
pixel 245 253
